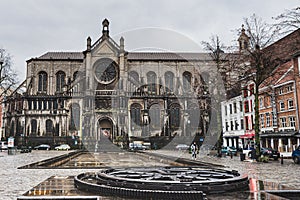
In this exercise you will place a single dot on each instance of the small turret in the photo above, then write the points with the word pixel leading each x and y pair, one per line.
pixel 243 40
pixel 105 28
pixel 122 48
pixel 88 44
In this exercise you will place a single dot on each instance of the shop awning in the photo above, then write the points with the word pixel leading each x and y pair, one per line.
pixel 279 134
pixel 249 134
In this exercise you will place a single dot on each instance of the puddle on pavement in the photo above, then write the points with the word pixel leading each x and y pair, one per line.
pixel 63 186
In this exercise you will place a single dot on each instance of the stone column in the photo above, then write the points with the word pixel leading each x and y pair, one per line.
pixel 289 145
pixel 280 145
pixel 224 142
pixel 272 143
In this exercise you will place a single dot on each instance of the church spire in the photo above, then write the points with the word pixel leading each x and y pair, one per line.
pixel 105 28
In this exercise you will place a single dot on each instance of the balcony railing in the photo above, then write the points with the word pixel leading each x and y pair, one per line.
pixel 105 92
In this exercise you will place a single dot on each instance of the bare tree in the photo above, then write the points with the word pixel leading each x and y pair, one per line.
pixel 252 63
pixel 260 60
pixel 288 21
pixel 8 77
pixel 214 47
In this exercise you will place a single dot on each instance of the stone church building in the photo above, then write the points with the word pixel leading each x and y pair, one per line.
pixel 108 92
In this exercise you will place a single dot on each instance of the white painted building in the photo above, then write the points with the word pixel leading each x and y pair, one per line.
pixel 233 121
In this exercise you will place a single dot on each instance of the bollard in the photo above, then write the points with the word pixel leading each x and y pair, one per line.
pixel 282 159
pixel 231 154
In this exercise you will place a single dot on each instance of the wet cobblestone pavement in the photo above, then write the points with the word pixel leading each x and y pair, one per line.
pixel 283 176
pixel 15 182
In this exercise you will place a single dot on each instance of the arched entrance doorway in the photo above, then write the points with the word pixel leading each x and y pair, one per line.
pixel 104 128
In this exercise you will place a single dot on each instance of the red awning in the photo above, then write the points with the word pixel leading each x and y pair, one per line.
pixel 248 135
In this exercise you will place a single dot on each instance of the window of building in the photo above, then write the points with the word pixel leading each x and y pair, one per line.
pixel 34 105
pixel 43 78
pixel 49 126
pixel 225 108
pixel 60 81
pixel 155 115
pixel 292 121
pixel 50 105
pixel 33 126
pixel 281 91
pixel 40 104
pixel 169 81
pixel 44 105
pixel 281 103
pixel 236 125
pixel 151 81
pixel 246 106
pixel 262 121
pixel 268 120
pixel 241 106
pixel 247 123
pixel 234 107
pixel 226 126
pixel 187 81
pixel 242 124
pixel 283 122
pixel 231 126
pixel 290 104
pixel 289 88
pixel 135 115
pixel 55 105
pixel 29 105
pixel 175 116
pixel 230 108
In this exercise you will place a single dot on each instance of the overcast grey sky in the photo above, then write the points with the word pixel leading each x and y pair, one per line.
pixel 32 27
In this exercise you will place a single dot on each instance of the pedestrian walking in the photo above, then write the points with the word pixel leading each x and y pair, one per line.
pixel 194 149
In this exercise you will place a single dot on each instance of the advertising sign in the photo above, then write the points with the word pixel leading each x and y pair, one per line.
pixel 10 142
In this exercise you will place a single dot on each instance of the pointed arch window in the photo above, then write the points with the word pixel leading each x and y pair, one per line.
pixel 155 117
pixel 187 80
pixel 151 81
pixel 134 76
pixel 33 126
pixel 42 84
pixel 174 116
pixel 134 80
pixel 49 126
pixel 169 81
pixel 194 115
pixel 135 115
pixel 60 81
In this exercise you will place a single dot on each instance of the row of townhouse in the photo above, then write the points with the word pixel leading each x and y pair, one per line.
pixel 278 112
pixel 279 101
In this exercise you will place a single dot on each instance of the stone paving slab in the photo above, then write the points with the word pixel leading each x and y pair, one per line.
pixel 15 182
pixel 283 176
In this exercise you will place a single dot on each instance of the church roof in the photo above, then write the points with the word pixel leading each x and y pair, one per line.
pixel 60 56
pixel 134 56
pixel 168 56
